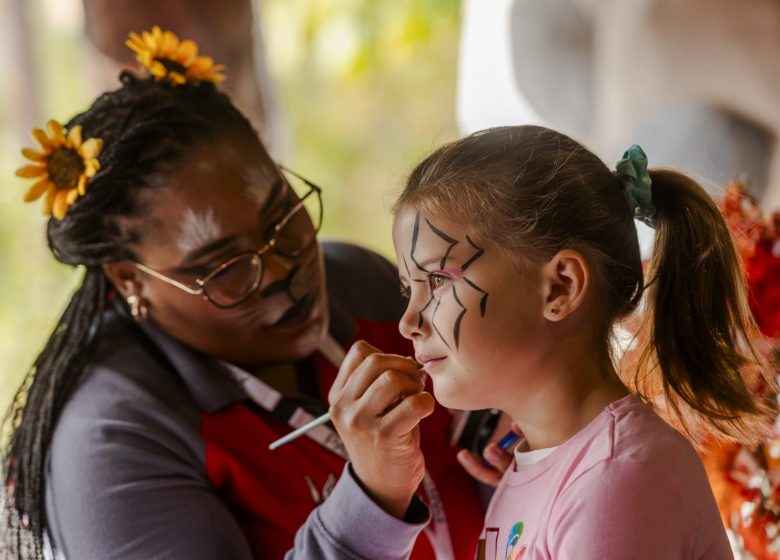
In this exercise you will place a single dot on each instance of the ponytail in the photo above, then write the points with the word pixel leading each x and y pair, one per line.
pixel 37 406
pixel 697 324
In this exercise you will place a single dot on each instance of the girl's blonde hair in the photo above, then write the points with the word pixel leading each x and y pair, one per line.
pixel 530 191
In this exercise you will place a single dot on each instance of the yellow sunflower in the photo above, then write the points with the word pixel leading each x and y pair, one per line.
pixel 61 168
pixel 166 57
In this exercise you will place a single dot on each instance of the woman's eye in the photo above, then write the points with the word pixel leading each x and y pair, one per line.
pixel 406 292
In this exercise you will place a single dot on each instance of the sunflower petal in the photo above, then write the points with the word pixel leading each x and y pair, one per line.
pixel 188 51
pixel 201 63
pixel 32 155
pixel 145 58
pixel 82 186
pixel 60 206
pixel 35 192
pixel 135 42
pixel 157 36
pixel 170 44
pixel 42 138
pixel 157 69
pixel 49 202
pixel 74 137
pixel 150 41
pixel 56 133
pixel 91 167
pixel 73 194
pixel 90 148
pixel 30 171
pixel 177 78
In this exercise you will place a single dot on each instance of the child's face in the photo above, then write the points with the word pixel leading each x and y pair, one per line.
pixel 475 320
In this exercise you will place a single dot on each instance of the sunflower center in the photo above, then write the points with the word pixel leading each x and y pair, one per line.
pixel 65 166
pixel 172 65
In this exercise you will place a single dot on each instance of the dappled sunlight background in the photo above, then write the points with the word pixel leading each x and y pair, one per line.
pixel 364 90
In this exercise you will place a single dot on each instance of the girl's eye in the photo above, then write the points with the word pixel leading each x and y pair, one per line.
pixel 406 292
pixel 436 280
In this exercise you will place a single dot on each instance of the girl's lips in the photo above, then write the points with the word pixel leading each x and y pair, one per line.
pixel 429 361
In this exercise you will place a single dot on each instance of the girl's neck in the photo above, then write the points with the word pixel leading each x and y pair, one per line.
pixel 567 401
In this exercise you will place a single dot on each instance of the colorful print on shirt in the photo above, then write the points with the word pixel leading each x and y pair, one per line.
pixel 488 547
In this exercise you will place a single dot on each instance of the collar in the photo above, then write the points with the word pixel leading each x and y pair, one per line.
pixel 209 382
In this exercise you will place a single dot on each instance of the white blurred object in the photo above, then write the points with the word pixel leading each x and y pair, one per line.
pixel 695 83
pixel 487 94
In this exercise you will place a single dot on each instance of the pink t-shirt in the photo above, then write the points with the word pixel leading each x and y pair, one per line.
pixel 627 486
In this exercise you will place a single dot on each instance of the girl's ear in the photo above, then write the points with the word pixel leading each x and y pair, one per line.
pixel 565 281
pixel 125 277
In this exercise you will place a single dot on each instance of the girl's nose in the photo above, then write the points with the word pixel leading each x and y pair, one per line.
pixel 412 324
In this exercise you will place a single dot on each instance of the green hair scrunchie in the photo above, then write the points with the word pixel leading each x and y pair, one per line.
pixel 632 172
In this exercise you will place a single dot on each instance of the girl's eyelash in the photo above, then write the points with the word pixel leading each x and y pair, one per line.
pixel 436 280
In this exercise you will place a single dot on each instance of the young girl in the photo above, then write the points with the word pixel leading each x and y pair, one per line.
pixel 518 252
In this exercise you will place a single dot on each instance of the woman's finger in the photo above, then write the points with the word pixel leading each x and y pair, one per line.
pixel 388 389
pixel 477 469
pixel 404 417
pixel 499 458
pixel 355 356
pixel 372 367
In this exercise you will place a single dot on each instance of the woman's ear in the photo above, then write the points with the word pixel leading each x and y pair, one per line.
pixel 565 281
pixel 125 277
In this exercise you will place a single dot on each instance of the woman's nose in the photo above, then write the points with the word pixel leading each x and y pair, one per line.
pixel 279 272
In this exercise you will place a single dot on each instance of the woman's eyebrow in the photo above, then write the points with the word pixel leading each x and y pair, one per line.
pixel 206 249
pixel 271 201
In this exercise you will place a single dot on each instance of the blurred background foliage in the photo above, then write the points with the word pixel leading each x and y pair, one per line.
pixel 364 89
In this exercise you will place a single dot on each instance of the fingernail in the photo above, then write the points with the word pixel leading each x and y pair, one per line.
pixel 465 457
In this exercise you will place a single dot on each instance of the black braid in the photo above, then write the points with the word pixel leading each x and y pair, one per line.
pixel 147 128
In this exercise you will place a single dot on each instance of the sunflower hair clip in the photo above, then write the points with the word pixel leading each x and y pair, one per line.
pixel 62 167
pixel 168 58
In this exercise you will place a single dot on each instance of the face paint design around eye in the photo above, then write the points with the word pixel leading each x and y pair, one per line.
pixel 444 275
pixel 197 230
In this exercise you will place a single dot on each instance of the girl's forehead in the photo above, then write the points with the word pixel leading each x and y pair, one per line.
pixel 427 237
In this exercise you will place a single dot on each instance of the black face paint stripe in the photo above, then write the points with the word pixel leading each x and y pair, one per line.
pixel 483 301
pixel 282 285
pixel 475 256
pixel 420 321
pixel 452 242
pixel 415 235
pixel 433 323
pixel 456 327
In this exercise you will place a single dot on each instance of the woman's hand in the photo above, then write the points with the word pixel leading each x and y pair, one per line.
pixel 376 404
pixel 498 460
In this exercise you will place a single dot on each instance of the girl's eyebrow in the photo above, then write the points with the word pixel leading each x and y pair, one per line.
pixel 437 260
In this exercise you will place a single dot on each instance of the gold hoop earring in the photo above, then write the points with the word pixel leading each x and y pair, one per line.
pixel 138 308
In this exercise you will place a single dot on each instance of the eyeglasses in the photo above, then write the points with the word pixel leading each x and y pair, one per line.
pixel 235 280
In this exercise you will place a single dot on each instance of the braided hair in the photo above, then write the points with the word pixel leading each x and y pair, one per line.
pixel 147 128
